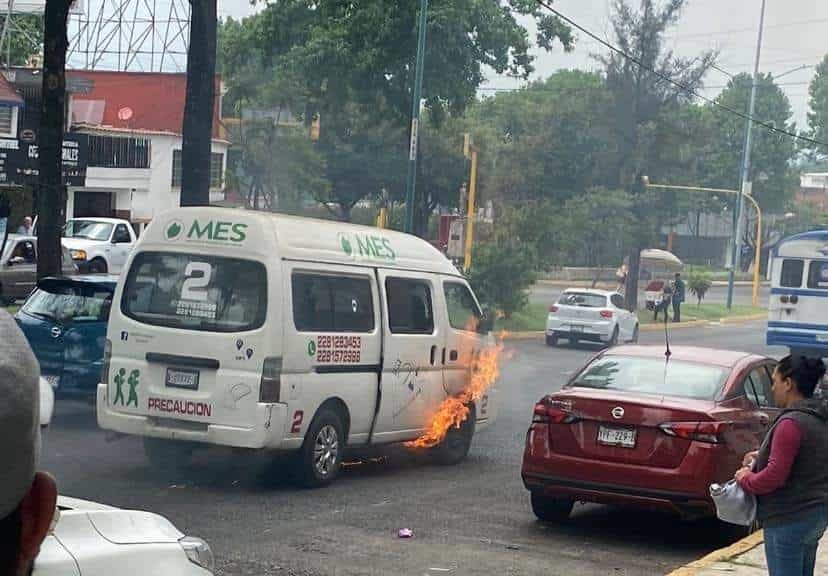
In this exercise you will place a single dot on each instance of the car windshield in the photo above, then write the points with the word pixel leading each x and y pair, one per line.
pixel 88 229
pixel 65 302
pixel 583 299
pixel 653 376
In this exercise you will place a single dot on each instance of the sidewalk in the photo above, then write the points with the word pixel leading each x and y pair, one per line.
pixel 744 558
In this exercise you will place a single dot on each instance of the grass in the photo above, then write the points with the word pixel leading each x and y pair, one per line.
pixel 12 309
pixel 690 311
pixel 533 317
pixel 716 274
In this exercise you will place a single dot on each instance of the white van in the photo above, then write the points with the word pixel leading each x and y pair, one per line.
pixel 264 331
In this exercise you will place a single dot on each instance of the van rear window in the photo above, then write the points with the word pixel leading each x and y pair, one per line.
pixel 196 292
pixel 818 275
pixel 791 276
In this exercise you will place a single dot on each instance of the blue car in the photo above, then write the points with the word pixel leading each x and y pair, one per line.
pixel 65 320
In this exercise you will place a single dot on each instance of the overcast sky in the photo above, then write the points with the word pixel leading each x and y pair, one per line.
pixel 796 35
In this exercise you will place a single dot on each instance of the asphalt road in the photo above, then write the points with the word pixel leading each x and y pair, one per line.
pixel 548 294
pixel 473 518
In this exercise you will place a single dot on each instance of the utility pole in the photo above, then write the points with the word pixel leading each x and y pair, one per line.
pixel 745 186
pixel 411 180
pixel 470 151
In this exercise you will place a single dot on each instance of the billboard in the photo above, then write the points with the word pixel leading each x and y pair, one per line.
pixel 34 7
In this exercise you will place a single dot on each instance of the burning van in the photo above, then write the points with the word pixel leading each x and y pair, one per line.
pixel 264 331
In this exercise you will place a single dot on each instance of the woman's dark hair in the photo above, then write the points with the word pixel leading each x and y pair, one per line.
pixel 10 527
pixel 805 372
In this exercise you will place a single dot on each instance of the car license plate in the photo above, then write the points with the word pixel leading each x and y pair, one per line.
pixel 576 328
pixel 624 437
pixel 177 378
pixel 53 380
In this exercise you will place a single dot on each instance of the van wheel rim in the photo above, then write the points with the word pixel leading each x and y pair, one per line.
pixel 326 450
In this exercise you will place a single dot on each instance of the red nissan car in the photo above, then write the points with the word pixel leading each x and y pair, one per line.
pixel 637 428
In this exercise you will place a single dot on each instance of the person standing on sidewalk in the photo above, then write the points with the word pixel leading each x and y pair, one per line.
pixel 789 472
pixel 678 297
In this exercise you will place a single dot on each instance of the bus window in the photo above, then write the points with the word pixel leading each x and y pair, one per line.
pixel 818 274
pixel 791 273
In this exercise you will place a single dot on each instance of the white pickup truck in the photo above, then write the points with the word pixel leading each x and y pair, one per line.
pixel 99 245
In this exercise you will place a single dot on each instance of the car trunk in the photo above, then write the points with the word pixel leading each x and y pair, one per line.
pixel 625 431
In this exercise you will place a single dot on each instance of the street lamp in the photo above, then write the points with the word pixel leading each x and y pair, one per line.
pixel 743 196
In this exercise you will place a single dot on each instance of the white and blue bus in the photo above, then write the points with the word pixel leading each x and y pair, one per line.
pixel 798 307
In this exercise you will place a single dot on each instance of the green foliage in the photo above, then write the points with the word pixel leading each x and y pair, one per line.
pixel 25 38
pixel 699 283
pixel 501 273
pixel 598 227
pixel 818 104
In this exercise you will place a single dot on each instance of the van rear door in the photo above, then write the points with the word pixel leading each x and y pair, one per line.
pixel 193 341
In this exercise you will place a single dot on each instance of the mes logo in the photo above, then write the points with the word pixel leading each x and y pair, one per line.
pixel 211 231
pixel 367 246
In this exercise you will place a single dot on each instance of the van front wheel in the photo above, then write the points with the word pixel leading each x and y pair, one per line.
pixel 320 458
pixel 168 455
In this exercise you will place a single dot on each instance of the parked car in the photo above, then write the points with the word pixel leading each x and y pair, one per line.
pixel 590 315
pixel 65 322
pixel 635 427
pixel 99 245
pixel 18 268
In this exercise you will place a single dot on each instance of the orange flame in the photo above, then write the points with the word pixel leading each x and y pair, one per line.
pixel 484 370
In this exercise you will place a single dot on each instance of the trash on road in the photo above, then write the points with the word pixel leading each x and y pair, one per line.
pixel 405 533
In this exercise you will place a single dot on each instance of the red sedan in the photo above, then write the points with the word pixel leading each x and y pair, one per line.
pixel 637 428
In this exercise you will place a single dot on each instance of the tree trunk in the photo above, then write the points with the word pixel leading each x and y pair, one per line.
pixel 633 272
pixel 51 198
pixel 198 109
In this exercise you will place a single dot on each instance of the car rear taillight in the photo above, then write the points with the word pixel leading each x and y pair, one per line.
pixel 553 308
pixel 709 432
pixel 549 411
pixel 271 384
pixel 106 359
pixel 606 313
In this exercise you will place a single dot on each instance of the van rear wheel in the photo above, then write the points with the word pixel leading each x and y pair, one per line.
pixel 168 455
pixel 320 458
pixel 457 443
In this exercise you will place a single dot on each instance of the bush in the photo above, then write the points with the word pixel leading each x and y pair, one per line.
pixel 501 273
pixel 699 283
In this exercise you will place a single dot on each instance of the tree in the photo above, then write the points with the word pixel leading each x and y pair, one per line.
pixel 24 39
pixel 197 132
pixel 51 197
pixel 353 63
pixel 647 88
pixel 818 104
pixel 699 283
pixel 589 245
pixel 772 154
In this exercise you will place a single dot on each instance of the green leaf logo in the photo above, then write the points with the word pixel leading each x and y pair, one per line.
pixel 174 230
pixel 311 348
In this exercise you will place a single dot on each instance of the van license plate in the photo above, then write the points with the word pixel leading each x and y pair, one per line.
pixel 182 378
pixel 624 437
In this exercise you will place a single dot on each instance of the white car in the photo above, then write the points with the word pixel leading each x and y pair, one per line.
pixel 99 245
pixel 591 315
pixel 91 539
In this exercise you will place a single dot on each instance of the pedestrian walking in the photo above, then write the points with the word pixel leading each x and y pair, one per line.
pixel 678 297
pixel 789 473
pixel 27 497
pixel 27 228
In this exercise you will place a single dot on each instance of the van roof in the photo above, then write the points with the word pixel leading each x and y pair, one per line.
pixel 298 238
pixel 812 244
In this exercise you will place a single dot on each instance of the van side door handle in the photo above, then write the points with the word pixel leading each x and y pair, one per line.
pixel 453 356
pixel 444 356
pixel 433 355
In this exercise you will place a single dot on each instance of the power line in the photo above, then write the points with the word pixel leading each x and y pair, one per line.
pixel 677 84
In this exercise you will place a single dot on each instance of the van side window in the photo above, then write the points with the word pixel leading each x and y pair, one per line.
pixel 818 274
pixel 463 312
pixel 332 303
pixel 409 306
pixel 791 276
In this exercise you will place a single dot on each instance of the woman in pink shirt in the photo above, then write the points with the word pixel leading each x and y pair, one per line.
pixel 789 472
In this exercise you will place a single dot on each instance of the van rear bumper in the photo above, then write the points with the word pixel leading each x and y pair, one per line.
pixel 266 430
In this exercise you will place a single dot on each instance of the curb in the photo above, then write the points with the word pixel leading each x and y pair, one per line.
pixel 737 549
pixel 537 335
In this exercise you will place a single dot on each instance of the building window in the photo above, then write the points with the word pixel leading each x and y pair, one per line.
pixel 216 170
pixel 8 120
pixel 176 169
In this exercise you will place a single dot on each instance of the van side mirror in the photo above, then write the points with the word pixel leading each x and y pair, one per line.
pixel 486 323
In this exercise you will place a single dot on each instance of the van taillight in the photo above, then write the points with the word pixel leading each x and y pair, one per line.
pixel 270 387
pixel 106 358
pixel 709 432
